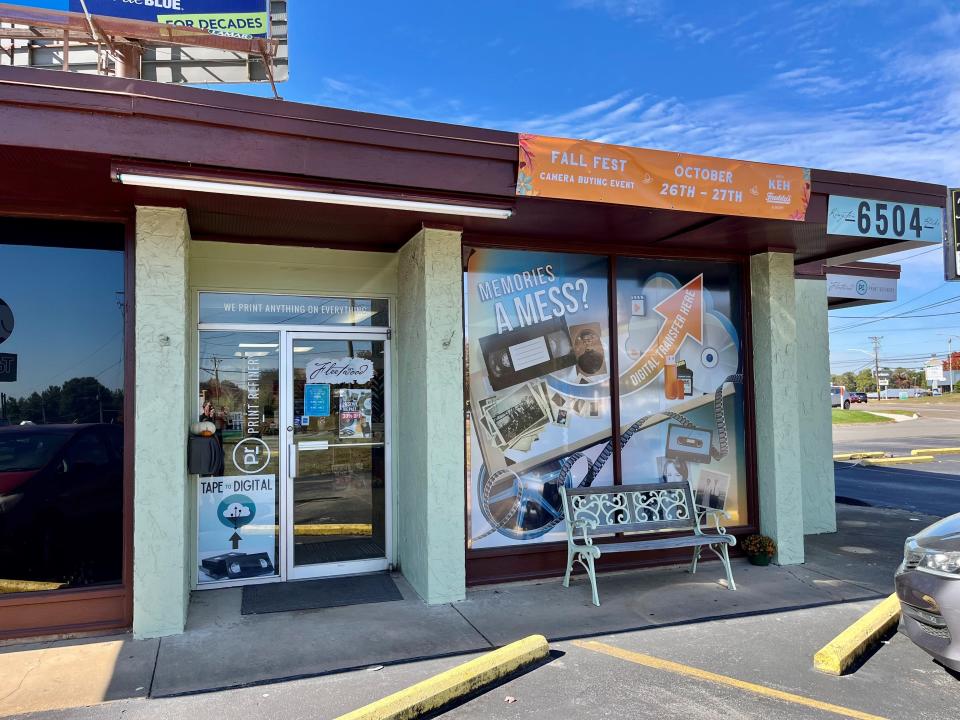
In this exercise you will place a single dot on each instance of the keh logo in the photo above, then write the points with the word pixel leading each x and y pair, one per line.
pixel 862 287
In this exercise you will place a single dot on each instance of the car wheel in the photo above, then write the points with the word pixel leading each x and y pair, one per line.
pixel 846 404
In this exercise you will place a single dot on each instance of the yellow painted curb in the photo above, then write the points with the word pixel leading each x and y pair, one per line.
pixel 859 455
pixel 936 451
pixel 446 687
pixel 15 586
pixel 839 654
pixel 334 529
pixel 901 460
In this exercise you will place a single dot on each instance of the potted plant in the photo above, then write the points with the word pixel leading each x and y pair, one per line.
pixel 759 549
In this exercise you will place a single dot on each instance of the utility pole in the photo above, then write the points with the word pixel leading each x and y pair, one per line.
pixel 876 360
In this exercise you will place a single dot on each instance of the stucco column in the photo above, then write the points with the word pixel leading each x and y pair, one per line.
pixel 816 431
pixel 161 522
pixel 777 415
pixel 430 486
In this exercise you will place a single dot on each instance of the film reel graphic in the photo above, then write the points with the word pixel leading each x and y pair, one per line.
pixel 525 508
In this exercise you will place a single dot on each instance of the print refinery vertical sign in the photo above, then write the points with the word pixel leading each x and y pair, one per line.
pixel 252 454
pixel 584 170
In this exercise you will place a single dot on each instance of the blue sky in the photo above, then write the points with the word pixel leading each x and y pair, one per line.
pixel 855 85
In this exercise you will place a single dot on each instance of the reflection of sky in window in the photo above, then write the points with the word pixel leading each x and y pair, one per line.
pixel 67 322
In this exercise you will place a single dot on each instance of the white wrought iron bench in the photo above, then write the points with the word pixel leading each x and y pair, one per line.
pixel 651 509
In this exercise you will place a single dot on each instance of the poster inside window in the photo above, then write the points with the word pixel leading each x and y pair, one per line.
pixel 681 393
pixel 237 505
pixel 540 389
pixel 538 363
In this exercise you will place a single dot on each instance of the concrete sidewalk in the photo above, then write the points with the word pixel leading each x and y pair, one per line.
pixel 222 648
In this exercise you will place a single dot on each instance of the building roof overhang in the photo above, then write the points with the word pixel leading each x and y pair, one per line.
pixel 65 135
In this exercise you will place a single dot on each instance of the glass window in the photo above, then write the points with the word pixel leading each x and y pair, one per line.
pixel 538 365
pixel 88 450
pixel 255 309
pixel 680 352
pixel 539 386
pixel 239 393
pixel 61 405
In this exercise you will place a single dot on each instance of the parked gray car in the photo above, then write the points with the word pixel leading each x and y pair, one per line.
pixel 928 586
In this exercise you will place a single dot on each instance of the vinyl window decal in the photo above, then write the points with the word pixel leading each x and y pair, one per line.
pixel 539 386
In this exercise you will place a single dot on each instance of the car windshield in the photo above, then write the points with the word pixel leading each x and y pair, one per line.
pixel 28 451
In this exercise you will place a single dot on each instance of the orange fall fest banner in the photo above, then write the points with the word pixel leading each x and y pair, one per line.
pixel 584 170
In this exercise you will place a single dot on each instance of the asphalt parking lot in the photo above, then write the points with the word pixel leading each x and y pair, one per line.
pixel 749 667
pixel 932 488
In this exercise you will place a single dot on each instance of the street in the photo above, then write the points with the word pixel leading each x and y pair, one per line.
pixel 932 488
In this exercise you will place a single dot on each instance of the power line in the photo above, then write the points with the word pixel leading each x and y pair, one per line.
pixel 878 318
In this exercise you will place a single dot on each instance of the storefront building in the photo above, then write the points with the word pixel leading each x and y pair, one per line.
pixel 404 335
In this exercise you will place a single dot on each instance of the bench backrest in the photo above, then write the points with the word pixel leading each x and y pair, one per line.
pixel 631 508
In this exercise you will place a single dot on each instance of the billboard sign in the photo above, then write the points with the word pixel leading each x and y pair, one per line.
pixel 933 371
pixel 233 18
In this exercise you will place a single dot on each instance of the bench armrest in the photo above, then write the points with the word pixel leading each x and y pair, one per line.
pixel 705 515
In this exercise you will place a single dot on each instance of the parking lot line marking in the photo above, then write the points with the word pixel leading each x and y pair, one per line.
pixel 669 666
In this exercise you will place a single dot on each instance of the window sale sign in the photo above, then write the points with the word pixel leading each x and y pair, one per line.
pixel 232 18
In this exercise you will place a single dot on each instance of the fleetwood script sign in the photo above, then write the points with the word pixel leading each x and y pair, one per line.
pixel 341 371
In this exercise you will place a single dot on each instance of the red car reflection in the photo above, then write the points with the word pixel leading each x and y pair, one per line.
pixel 61 503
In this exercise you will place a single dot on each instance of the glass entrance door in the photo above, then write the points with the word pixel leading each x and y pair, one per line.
pixel 338 459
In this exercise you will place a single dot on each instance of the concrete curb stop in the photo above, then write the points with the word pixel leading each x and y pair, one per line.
pixel 901 460
pixel 936 451
pixel 448 686
pixel 859 455
pixel 840 653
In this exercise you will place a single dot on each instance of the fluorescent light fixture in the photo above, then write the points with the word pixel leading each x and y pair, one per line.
pixel 302 349
pixel 281 193
pixel 259 345
pixel 259 353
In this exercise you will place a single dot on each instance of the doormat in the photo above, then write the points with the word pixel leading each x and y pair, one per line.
pixel 312 594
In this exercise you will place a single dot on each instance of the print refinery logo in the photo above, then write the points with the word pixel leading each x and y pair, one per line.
pixel 251 455
pixel 862 287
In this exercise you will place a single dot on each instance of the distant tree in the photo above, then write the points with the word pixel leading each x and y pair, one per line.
pixel 953 361
pixel 865 381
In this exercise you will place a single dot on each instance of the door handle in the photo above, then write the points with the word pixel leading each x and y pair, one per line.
pixel 292 461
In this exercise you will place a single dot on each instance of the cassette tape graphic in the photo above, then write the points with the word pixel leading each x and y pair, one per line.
pixel 527 353
pixel 690 444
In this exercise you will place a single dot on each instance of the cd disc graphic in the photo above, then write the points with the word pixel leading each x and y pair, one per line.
pixel 714 360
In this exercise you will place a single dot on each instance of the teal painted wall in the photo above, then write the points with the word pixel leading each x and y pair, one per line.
pixel 816 431
pixel 430 416
pixel 161 518
pixel 776 398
